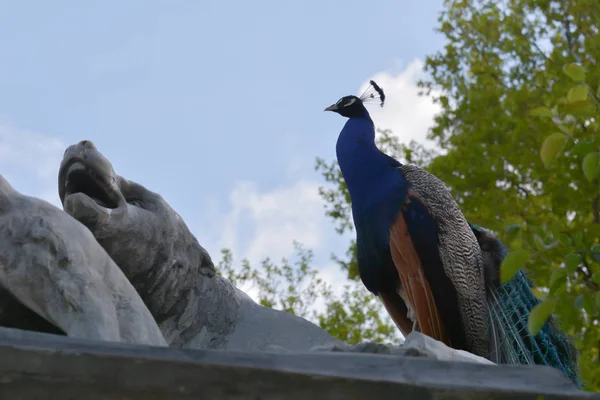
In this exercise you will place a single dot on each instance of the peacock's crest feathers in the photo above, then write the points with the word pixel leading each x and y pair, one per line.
pixel 373 93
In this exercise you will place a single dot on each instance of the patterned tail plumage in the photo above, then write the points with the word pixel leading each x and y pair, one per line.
pixel 509 306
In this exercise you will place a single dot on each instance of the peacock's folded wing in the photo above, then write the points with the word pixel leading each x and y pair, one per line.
pixel 450 261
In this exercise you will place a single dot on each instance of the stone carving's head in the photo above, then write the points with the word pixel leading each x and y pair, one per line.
pixel 136 226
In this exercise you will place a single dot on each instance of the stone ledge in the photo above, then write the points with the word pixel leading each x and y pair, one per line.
pixel 43 366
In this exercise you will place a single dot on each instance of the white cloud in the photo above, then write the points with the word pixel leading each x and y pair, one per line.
pixel 406 113
pixel 333 275
pixel 261 224
pixel 30 162
pixel 277 218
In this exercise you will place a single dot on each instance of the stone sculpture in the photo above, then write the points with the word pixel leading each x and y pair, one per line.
pixel 55 277
pixel 172 272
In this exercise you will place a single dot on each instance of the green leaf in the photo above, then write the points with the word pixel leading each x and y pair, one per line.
pixel 539 315
pixel 575 72
pixel 535 229
pixel 563 128
pixel 589 304
pixel 594 230
pixel 552 146
pixel 591 166
pixel 595 252
pixel 514 261
pixel 564 239
pixel 578 240
pixel 538 293
pixel 598 299
pixel 541 112
pixel 516 244
pixel 579 108
pixel 513 228
pixel 582 147
pixel 557 279
pixel 579 302
pixel 539 243
pixel 577 94
pixel 572 261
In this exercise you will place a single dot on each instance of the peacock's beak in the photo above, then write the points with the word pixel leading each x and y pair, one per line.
pixel 332 107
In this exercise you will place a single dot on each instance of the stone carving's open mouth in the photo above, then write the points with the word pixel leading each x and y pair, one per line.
pixel 80 178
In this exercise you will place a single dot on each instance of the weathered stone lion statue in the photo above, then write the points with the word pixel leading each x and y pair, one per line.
pixel 135 269
pixel 174 275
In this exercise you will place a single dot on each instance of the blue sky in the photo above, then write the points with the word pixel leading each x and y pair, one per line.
pixel 216 105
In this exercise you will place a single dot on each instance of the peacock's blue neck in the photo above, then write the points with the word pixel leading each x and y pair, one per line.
pixel 368 173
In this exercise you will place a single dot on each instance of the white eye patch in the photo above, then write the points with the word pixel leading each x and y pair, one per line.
pixel 350 102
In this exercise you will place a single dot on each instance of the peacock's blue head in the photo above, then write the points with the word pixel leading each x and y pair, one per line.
pixel 354 106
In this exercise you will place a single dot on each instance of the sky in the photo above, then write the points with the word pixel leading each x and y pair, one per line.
pixel 216 105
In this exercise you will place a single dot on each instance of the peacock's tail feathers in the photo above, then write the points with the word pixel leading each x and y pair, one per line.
pixel 509 309
pixel 509 305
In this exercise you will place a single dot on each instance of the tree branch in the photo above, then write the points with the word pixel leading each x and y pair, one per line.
pixel 567 26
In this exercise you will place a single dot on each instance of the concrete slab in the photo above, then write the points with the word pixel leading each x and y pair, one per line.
pixel 45 366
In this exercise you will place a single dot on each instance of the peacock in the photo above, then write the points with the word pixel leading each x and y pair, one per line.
pixel 433 270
